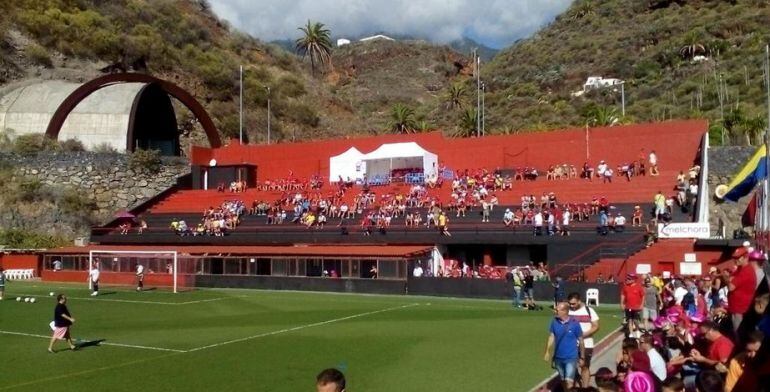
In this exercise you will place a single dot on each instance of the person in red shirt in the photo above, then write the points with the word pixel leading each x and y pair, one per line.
pixel 742 285
pixel 631 301
pixel 720 347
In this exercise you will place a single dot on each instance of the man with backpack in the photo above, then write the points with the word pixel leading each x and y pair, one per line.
pixel 589 324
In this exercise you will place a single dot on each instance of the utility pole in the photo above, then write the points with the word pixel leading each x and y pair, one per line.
pixel 623 98
pixel 721 107
pixel 240 106
pixel 268 114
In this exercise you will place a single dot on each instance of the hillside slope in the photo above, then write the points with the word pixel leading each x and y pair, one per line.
pixel 651 44
pixel 373 76
pixel 183 41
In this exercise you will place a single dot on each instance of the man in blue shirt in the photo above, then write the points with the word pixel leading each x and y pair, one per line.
pixel 566 338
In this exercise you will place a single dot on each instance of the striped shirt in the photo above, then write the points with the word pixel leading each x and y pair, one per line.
pixel 585 316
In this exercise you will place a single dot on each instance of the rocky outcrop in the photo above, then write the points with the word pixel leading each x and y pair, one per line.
pixel 104 178
pixel 724 163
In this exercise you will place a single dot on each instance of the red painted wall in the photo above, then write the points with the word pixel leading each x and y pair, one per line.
pixel 117 278
pixel 21 261
pixel 675 142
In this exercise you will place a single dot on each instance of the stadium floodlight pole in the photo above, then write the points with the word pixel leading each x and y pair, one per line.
pixel 268 113
pixel 240 106
pixel 483 109
pixel 477 60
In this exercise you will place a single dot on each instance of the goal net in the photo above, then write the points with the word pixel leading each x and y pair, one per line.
pixel 161 268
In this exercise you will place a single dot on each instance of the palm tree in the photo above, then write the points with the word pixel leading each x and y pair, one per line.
pixel 731 122
pixel 316 44
pixel 603 116
pixel 455 96
pixel 692 45
pixel 753 127
pixel 582 10
pixel 402 119
pixel 467 123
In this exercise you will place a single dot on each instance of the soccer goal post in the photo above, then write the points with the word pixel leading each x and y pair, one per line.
pixel 155 263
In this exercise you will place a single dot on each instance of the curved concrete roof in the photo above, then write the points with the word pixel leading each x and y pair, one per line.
pixel 100 118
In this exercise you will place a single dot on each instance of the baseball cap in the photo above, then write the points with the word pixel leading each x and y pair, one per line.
pixel 631 276
pixel 739 252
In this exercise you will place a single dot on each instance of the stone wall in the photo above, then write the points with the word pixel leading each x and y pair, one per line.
pixel 724 162
pixel 104 177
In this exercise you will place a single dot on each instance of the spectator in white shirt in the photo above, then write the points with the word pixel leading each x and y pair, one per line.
pixel 608 175
pixel 417 272
pixel 620 223
pixel 508 218
pixel 601 168
pixel 565 219
pixel 657 364
pixel 538 222
pixel 94 275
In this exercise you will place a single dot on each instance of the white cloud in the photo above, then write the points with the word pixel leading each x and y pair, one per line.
pixel 495 22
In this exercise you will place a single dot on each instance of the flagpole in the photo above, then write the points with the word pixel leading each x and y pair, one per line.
pixel 765 215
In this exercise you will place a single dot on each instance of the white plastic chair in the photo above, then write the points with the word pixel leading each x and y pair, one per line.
pixel 592 294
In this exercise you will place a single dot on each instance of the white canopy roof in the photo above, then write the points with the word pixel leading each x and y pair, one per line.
pixel 348 165
pixel 399 156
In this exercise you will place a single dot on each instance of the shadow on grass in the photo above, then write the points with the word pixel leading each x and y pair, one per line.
pixel 88 343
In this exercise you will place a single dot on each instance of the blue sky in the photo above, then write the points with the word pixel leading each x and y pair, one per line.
pixel 495 23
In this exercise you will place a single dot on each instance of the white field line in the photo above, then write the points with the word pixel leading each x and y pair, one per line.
pixel 129 301
pixel 266 334
pixel 32 335
pixel 278 332
pixel 84 372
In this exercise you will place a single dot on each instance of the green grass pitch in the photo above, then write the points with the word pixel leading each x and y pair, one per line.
pixel 248 340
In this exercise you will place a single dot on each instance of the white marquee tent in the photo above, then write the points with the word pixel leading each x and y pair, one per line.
pixel 348 165
pixel 391 156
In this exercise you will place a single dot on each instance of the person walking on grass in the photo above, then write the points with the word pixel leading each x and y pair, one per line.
pixel 589 324
pixel 139 277
pixel 565 337
pixel 2 283
pixel 62 321
pixel 93 274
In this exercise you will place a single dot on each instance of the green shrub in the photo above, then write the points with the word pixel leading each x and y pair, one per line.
pixel 39 55
pixel 303 114
pixel 32 143
pixel 72 145
pixel 291 86
pixel 75 203
pixel 145 161
pixel 28 191
pixel 23 239
pixel 104 148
